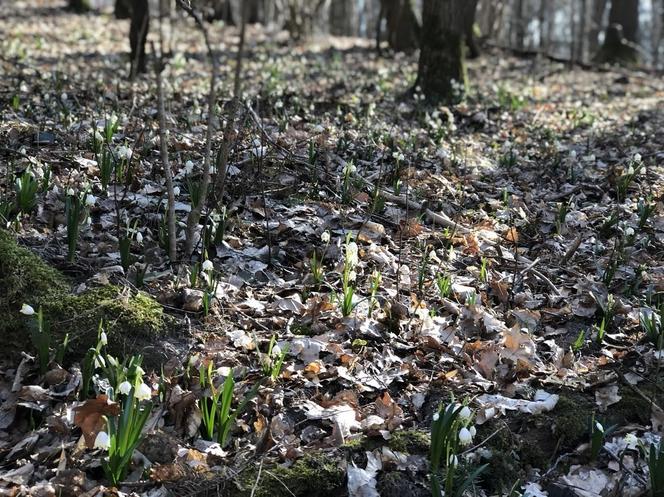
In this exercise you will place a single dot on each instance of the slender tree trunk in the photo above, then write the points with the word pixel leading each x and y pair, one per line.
pixel 581 38
pixel 122 9
pixel 519 25
pixel 138 34
pixel 441 70
pixel 343 18
pixel 79 5
pixel 621 34
pixel 469 30
pixel 403 29
pixel 596 23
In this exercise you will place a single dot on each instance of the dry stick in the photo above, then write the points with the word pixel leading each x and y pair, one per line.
pixel 163 151
pixel 222 157
pixel 195 213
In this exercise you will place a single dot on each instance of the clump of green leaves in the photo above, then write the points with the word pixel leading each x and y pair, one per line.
pixel 26 188
pixel 216 405
pixel 651 323
pixel 626 179
pixel 450 430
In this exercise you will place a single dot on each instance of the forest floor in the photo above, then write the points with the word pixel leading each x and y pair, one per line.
pixel 515 243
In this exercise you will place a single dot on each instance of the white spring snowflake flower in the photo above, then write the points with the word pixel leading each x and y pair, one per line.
pixel 599 426
pixel 465 437
pixel 27 310
pixel 124 152
pixel 352 276
pixel 71 192
pixel 325 237
pixel 90 200
pixel 139 237
pixel 103 338
pixel 436 416
pixel 352 257
pixel 188 167
pixel 124 388
pixel 637 157
pixel 207 265
pixel 99 362
pixel 465 413
pixel 453 460
pixel 143 392
pixel 473 431
pixel 102 441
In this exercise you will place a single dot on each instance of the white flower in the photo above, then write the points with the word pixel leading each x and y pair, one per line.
pixel 325 237
pixel 98 137
pixel 630 170
pixel 112 360
pixel 207 265
pixel 631 440
pixel 102 441
pixel 352 276
pixel 139 237
pixel 103 338
pixel 143 392
pixel 99 362
pixel 188 167
pixel 351 254
pixel 278 104
pixel 90 200
pixel 64 96
pixel 124 152
pixel 176 190
pixel 436 416
pixel 465 436
pixel 349 168
pixel 599 426
pixel 473 431
pixel 637 157
pixel 465 413
pixel 71 192
pixel 27 310
pixel 276 351
pixel 453 460
pixel 629 231
pixel 572 154
pixel 398 156
pixel 124 388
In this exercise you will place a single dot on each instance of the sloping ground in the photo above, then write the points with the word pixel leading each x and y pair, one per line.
pixel 505 232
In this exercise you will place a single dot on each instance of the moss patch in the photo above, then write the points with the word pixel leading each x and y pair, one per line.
pixel 410 441
pixel 24 279
pixel 314 474
pixel 131 318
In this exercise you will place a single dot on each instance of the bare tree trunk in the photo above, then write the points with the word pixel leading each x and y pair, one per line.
pixel 621 34
pixel 79 6
pixel 343 18
pixel 469 30
pixel 581 36
pixel 441 70
pixel 403 28
pixel 519 25
pixel 596 24
pixel 122 9
pixel 138 33
pixel 657 25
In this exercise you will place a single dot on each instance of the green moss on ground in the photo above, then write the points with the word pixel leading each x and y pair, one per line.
pixel 410 441
pixel 131 318
pixel 314 474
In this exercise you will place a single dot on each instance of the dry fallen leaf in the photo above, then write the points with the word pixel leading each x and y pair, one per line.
pixel 90 417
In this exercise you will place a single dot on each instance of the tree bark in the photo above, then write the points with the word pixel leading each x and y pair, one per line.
pixel 621 34
pixel 441 71
pixel 80 6
pixel 519 25
pixel 138 34
pixel 343 18
pixel 470 8
pixel 596 22
pixel 122 9
pixel 403 28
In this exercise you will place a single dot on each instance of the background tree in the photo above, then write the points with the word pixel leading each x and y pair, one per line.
pixel 469 29
pixel 596 21
pixel 79 5
pixel 403 28
pixel 343 18
pixel 441 70
pixel 138 33
pixel 620 38
pixel 122 9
